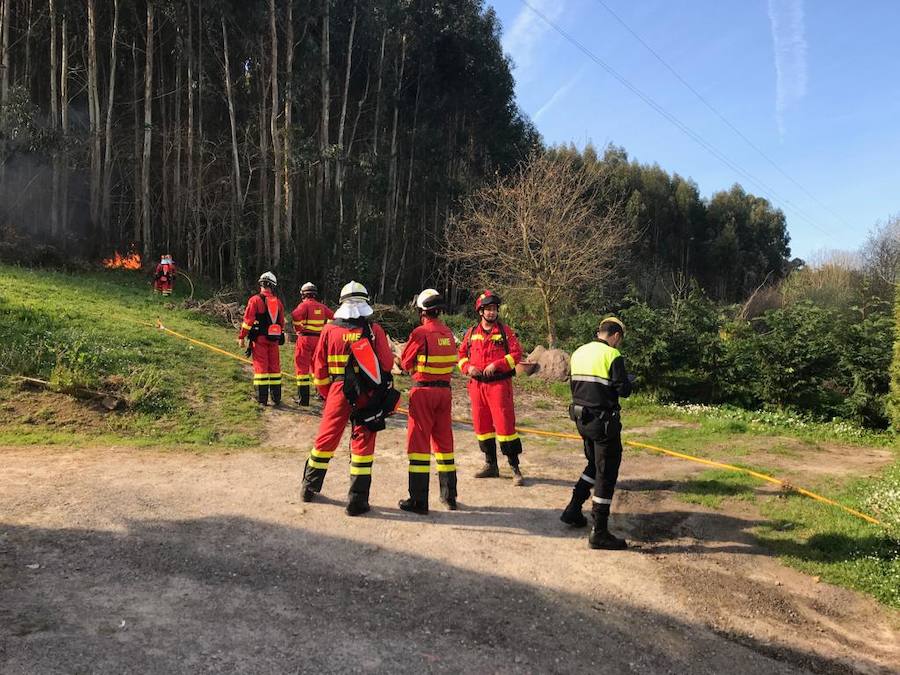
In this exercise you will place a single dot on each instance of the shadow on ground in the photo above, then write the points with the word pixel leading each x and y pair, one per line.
pixel 241 595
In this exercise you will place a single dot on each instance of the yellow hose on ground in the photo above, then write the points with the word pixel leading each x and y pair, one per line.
pixel 559 434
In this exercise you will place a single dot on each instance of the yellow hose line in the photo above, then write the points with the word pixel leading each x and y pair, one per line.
pixel 575 437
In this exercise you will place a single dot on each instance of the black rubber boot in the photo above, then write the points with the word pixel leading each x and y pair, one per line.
pixel 262 394
pixel 303 395
pixel 572 514
pixel 358 504
pixel 308 495
pixel 450 503
pixel 600 536
pixel 276 394
pixel 414 506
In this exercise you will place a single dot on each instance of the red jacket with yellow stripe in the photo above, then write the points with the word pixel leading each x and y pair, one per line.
pixel 310 317
pixel 265 314
pixel 333 352
pixel 480 347
pixel 430 353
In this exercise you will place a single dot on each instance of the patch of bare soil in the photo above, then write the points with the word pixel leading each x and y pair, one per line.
pixel 115 560
pixel 53 411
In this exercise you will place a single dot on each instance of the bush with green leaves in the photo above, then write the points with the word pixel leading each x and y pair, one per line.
pixel 894 399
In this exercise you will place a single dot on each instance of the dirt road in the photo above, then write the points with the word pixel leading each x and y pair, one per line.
pixel 124 560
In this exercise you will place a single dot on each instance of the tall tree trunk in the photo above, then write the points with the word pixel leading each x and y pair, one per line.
pixel 54 120
pixel 376 123
pixel 278 176
pixel 187 214
pixel 29 30
pixel 324 141
pixel 93 87
pixel 264 183
pixel 5 15
pixel 390 211
pixel 136 155
pixel 64 118
pixel 176 170
pixel 404 237
pixel 287 160
pixel 110 100
pixel 198 189
pixel 338 171
pixel 236 201
pixel 146 230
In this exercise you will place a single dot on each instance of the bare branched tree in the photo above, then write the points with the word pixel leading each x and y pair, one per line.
pixel 881 251
pixel 552 227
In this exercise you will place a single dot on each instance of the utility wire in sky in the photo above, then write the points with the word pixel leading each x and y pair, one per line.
pixel 718 114
pixel 686 130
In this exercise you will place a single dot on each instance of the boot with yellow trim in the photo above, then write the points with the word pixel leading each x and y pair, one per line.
pixel 446 466
pixel 512 449
pixel 360 484
pixel 490 469
pixel 419 476
pixel 600 536
pixel 314 473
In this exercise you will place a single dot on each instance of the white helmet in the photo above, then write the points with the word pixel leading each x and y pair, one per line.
pixel 354 302
pixel 354 291
pixel 429 299
pixel 268 278
pixel 309 287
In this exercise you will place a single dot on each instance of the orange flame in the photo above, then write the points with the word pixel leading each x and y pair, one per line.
pixel 132 261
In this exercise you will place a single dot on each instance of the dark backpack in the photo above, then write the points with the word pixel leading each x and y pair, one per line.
pixel 383 398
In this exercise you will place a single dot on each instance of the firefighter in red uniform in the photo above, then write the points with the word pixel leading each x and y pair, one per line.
pixel 264 326
pixel 430 355
pixel 164 276
pixel 329 363
pixel 309 318
pixel 488 356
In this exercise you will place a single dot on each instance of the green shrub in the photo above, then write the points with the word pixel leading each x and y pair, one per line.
pixel 894 400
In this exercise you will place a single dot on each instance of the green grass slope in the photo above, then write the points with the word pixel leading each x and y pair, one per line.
pixel 84 330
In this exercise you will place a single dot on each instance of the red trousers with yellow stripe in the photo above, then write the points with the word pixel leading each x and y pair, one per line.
pixel 303 355
pixel 362 445
pixel 494 419
pixel 266 369
pixel 429 431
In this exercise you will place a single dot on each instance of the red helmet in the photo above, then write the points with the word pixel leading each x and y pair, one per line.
pixel 487 298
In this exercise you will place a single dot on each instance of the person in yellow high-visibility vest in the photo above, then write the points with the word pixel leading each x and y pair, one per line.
pixel 598 378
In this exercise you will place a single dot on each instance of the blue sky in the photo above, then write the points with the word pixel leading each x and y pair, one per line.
pixel 814 85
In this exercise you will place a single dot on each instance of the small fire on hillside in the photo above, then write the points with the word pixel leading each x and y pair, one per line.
pixel 131 261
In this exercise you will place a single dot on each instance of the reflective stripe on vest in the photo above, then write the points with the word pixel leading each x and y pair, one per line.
pixel 591 362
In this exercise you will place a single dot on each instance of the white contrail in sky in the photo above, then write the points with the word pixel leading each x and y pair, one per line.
pixel 789 42
pixel 557 95
pixel 523 38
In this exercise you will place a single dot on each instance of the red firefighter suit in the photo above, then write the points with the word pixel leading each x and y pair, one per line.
pixel 493 412
pixel 329 361
pixel 264 325
pixel 430 355
pixel 309 318
pixel 164 277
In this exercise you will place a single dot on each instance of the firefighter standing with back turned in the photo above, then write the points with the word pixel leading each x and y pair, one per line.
pixel 430 355
pixel 263 325
pixel 598 379
pixel 309 318
pixel 488 356
pixel 330 376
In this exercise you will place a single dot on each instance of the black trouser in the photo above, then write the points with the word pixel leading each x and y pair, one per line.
pixel 602 436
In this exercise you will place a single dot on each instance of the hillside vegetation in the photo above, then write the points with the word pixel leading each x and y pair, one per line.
pixel 88 331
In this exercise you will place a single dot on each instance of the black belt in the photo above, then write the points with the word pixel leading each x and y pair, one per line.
pixel 305 334
pixel 443 384
pixel 494 378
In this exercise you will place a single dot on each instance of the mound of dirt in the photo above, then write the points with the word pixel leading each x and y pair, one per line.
pixel 552 364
